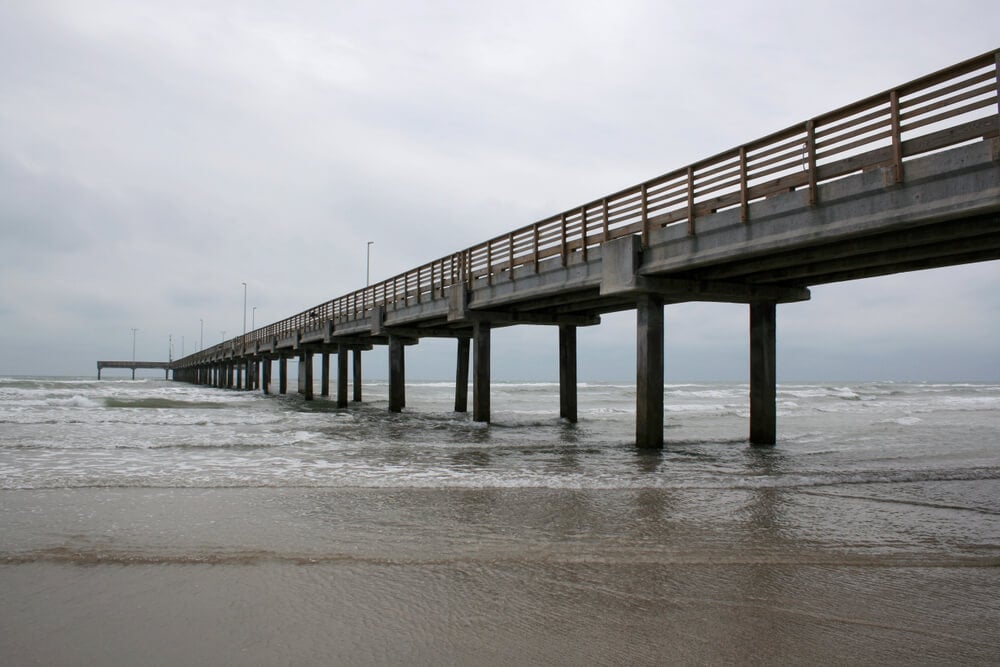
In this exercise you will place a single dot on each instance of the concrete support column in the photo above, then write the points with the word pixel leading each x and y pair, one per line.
pixel 481 372
pixel 265 375
pixel 342 377
pixel 763 377
pixel 239 375
pixel 649 372
pixel 397 374
pixel 462 376
pixel 306 375
pixel 356 367
pixel 324 383
pixel 133 372
pixel 567 372
pixel 282 375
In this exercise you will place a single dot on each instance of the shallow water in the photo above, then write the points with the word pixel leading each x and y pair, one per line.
pixel 165 523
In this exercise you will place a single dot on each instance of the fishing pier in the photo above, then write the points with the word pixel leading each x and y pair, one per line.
pixel 904 180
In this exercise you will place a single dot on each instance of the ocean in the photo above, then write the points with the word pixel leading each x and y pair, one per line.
pixel 152 522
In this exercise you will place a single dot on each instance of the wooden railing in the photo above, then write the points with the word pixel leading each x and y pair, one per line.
pixel 941 110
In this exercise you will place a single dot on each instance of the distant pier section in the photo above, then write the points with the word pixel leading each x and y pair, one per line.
pixel 165 365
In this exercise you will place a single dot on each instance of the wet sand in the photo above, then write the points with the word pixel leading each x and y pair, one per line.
pixel 534 577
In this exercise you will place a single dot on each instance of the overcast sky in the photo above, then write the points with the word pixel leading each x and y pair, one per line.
pixel 156 155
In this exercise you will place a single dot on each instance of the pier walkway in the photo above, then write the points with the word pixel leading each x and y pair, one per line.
pixel 904 180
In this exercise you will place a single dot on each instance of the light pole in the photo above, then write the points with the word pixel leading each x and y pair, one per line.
pixel 244 309
pixel 133 343
pixel 223 332
pixel 368 263
pixel 201 340
pixel 253 318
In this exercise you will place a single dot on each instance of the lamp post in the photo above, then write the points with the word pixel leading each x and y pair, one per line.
pixel 368 263
pixel 244 309
pixel 223 332
pixel 133 343
pixel 201 340
pixel 253 318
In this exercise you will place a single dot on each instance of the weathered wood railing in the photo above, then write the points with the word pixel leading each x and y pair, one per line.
pixel 941 110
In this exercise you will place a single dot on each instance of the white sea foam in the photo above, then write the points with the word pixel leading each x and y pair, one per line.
pixel 165 434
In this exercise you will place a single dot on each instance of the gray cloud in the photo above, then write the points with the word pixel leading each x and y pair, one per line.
pixel 154 156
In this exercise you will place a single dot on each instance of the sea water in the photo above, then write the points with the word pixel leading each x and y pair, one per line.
pixel 159 522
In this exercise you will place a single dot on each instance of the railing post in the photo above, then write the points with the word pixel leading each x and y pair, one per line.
pixel 489 262
pixel 535 235
pixel 897 138
pixel 510 255
pixel 690 179
pixel 996 74
pixel 562 239
pixel 811 160
pixel 744 187
pixel 645 216
pixel 604 221
pixel 583 232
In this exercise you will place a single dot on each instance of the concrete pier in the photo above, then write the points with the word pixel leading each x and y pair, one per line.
pixel 397 374
pixel 481 371
pixel 649 372
pixel 282 375
pixel 462 376
pixel 759 224
pixel 306 375
pixel 567 373
pixel 763 376
pixel 324 382
pixel 356 380
pixel 342 377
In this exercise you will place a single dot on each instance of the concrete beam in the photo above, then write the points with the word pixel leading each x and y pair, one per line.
pixel 509 318
pixel 622 267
